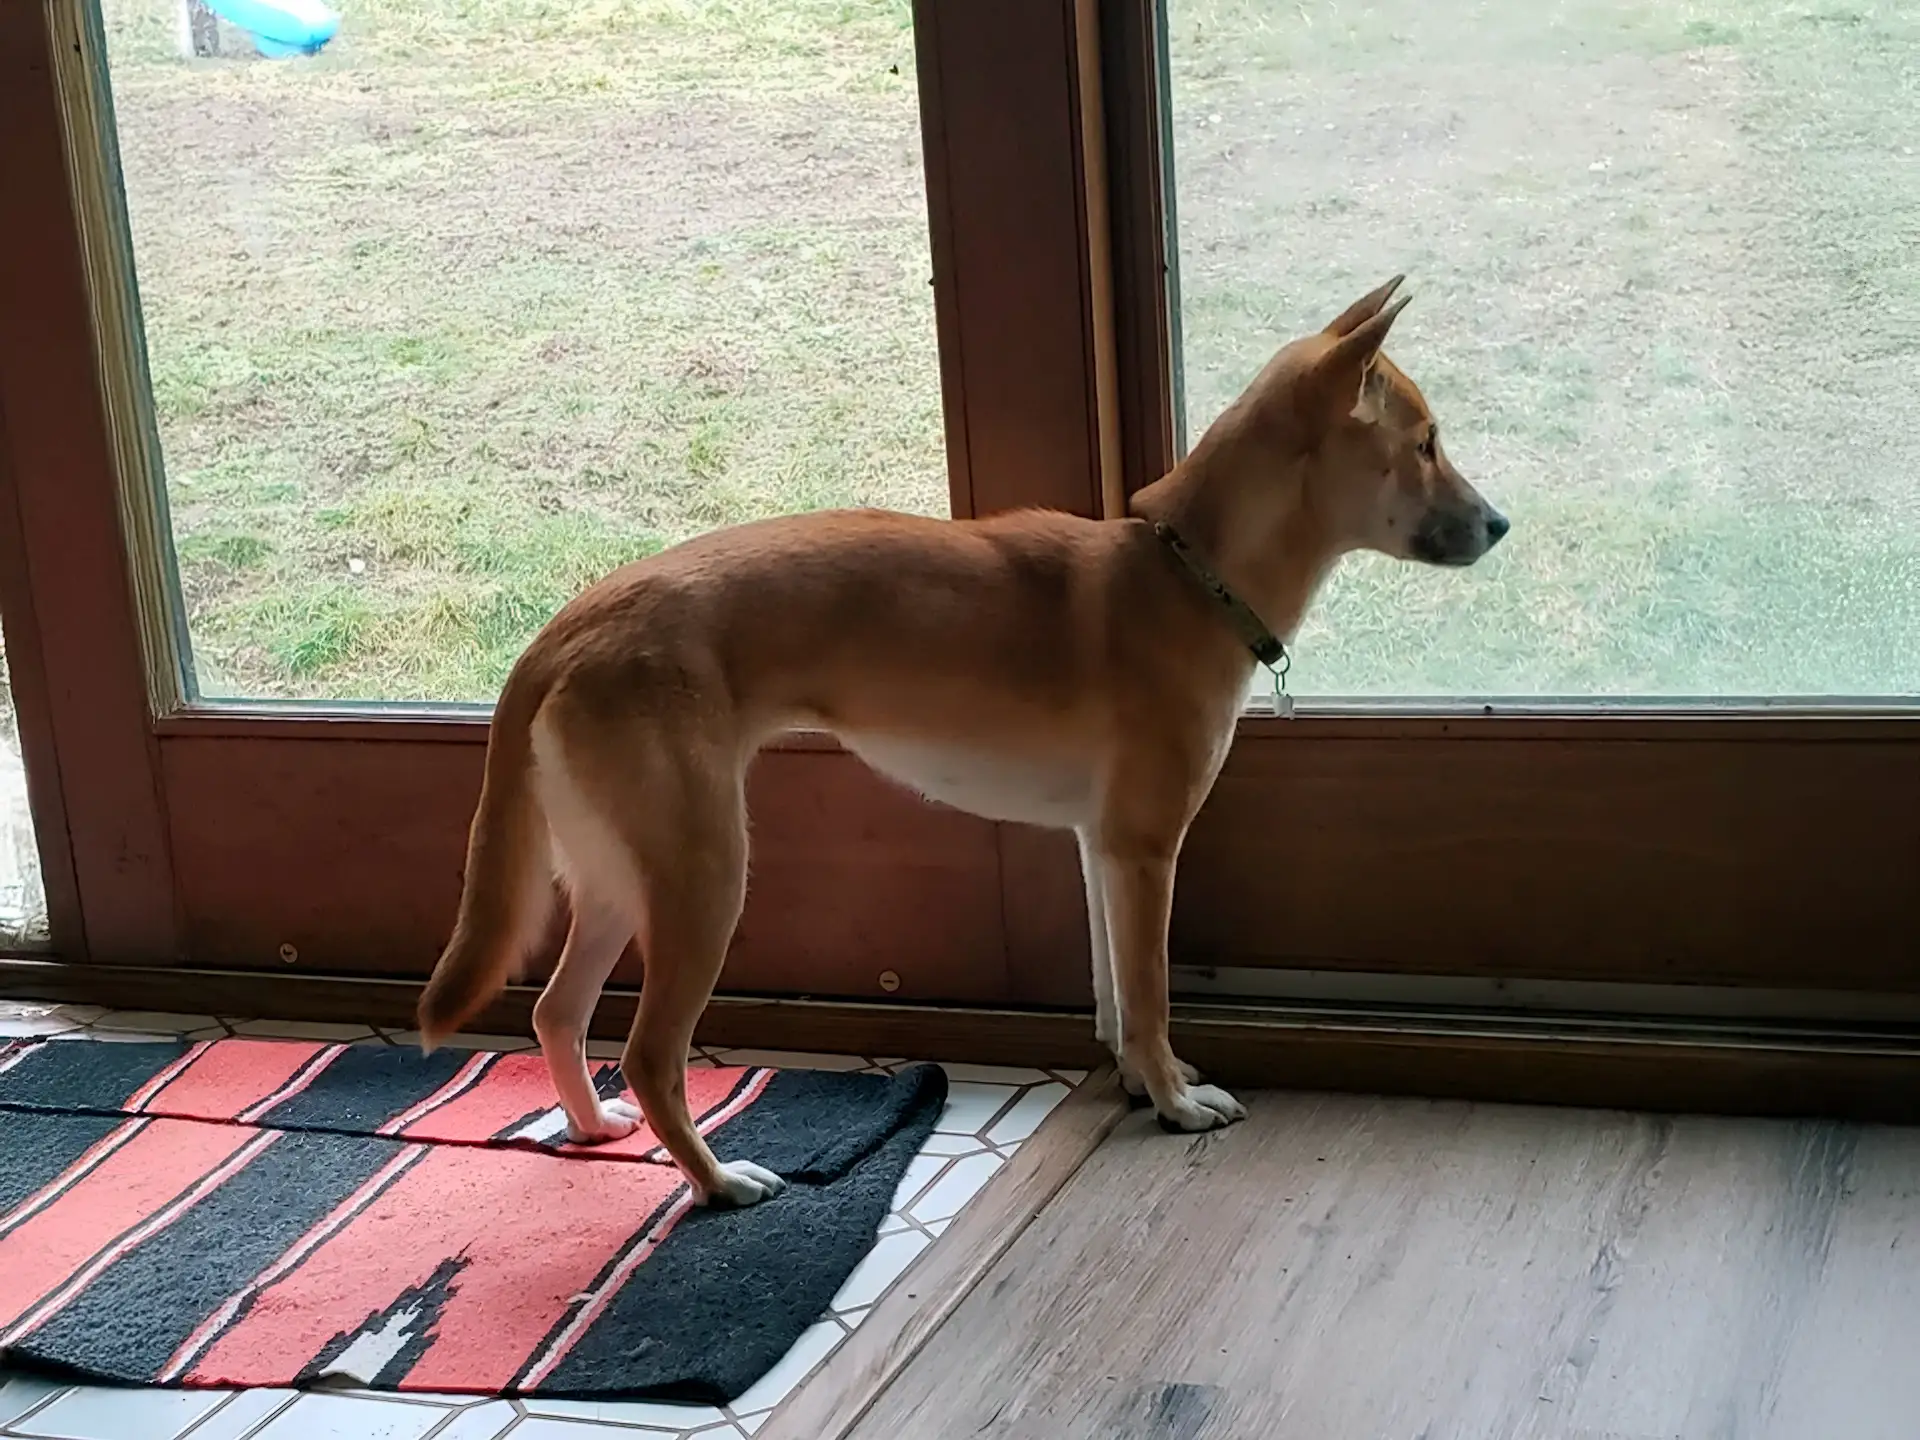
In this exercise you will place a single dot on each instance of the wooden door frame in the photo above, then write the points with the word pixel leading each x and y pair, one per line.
pixel 91 754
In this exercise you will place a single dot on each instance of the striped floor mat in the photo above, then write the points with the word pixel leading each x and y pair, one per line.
pixel 272 1212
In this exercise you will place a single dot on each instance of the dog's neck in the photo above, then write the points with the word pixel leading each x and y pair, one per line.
pixel 1244 509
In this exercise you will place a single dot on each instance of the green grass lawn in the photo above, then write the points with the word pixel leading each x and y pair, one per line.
pixel 1667 307
pixel 489 298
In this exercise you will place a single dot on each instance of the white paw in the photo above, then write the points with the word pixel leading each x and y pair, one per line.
pixel 618 1119
pixel 1201 1107
pixel 742 1183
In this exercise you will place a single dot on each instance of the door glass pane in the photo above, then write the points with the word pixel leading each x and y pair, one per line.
pixel 1666 307
pixel 481 300
pixel 23 897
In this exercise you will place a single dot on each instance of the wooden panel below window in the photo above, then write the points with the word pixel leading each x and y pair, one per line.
pixel 1778 853
pixel 350 851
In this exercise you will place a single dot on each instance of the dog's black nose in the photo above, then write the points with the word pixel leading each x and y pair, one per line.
pixel 1497 527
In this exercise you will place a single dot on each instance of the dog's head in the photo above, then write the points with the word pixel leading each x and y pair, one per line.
pixel 1374 470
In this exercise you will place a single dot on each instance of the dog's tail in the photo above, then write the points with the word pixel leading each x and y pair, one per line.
pixel 507 895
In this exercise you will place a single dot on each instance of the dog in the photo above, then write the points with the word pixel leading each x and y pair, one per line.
pixel 1034 667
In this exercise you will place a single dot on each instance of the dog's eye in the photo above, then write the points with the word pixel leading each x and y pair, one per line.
pixel 1427 445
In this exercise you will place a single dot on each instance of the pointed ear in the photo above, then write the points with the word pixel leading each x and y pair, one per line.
pixel 1364 309
pixel 1334 384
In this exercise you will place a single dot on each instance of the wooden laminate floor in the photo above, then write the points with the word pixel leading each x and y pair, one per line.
pixel 1349 1267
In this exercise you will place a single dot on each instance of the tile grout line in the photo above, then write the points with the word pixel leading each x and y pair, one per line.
pixel 258 1426
pixel 45 1402
pixel 227 1403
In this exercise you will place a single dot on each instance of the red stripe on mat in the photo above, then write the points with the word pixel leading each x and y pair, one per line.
pixel 710 1098
pixel 129 1186
pixel 230 1077
pixel 90 1159
pixel 532 1231
pixel 517 1086
pixel 513 1087
pixel 164 1077
pixel 211 1328
pixel 594 1302
pixel 296 1084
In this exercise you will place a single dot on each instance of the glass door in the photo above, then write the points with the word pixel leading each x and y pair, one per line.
pixel 1664 307
pixel 326 377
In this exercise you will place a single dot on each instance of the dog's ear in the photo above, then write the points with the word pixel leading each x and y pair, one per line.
pixel 1333 386
pixel 1364 309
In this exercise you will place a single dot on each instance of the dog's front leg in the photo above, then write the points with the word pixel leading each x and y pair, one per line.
pixel 1106 1004
pixel 1138 888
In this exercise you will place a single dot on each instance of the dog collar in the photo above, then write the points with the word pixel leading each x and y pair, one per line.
pixel 1253 633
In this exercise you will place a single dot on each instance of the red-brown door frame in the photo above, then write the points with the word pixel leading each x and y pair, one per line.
pixel 80 683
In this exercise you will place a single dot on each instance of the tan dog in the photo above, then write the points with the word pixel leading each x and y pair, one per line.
pixel 1034 667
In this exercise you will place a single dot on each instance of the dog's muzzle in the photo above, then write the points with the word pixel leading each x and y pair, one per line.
pixel 1452 538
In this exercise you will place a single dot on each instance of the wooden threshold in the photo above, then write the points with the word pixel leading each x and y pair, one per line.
pixel 831 1401
pixel 1627 1063
pixel 986 1036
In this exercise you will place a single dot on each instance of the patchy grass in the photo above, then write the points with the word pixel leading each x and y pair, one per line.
pixel 1667 308
pixel 488 299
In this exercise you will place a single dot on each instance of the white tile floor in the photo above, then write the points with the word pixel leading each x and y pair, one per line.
pixel 990 1110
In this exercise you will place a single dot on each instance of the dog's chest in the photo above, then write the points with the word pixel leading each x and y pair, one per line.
pixel 1020 788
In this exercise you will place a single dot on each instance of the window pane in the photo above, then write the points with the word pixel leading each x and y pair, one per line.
pixel 450 318
pixel 1666 307
pixel 23 897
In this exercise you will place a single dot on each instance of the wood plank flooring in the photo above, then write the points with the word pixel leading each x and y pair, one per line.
pixel 1350 1267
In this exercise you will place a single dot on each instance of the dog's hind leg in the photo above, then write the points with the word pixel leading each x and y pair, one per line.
pixel 1106 1012
pixel 561 1015
pixel 695 876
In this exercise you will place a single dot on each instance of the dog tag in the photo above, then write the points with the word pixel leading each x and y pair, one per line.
pixel 1283 705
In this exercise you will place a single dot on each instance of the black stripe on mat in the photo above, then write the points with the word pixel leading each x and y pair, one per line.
pixel 93 1076
pixel 813 1125
pixel 39 1146
pixel 366 1087
pixel 673 1333
pixel 128 1323
pixel 608 1277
